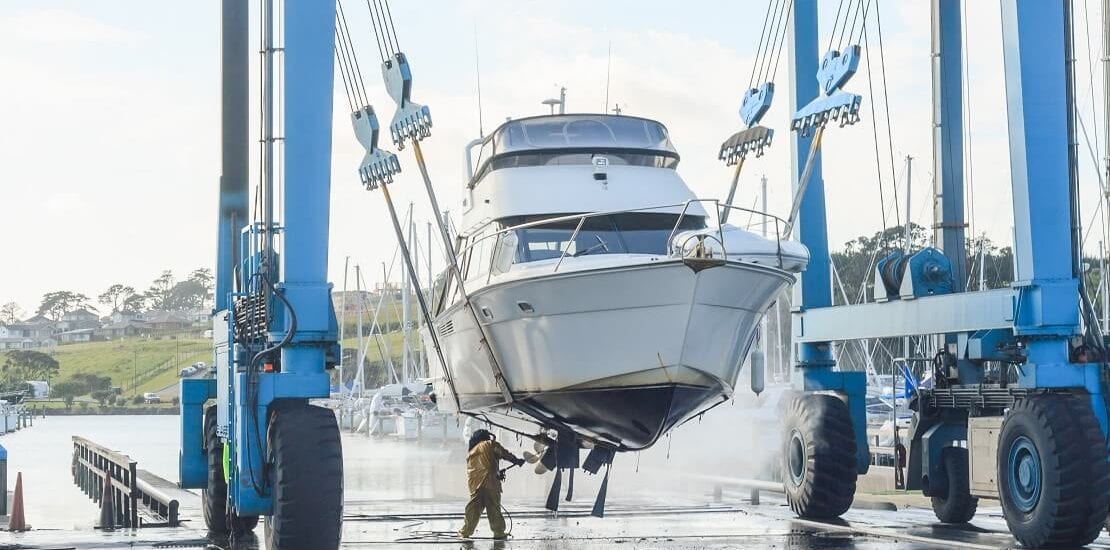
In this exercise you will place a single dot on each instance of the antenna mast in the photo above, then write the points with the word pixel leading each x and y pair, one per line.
pixel 478 79
pixel 608 70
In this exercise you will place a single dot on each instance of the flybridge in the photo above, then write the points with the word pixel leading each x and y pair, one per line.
pixel 530 141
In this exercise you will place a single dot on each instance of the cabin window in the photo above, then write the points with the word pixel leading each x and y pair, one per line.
pixel 626 233
pixel 550 158
pixel 480 254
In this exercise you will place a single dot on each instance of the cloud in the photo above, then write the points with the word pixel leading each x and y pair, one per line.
pixel 64 27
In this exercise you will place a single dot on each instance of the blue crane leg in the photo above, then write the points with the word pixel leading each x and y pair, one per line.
pixel 1034 51
pixel 948 153
pixel 234 141
pixel 948 138
pixel 307 114
pixel 814 289
pixel 232 217
pixel 309 76
pixel 815 360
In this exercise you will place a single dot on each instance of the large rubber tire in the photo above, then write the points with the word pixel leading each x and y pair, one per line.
pixel 213 499
pixel 1053 475
pixel 306 465
pixel 818 456
pixel 958 506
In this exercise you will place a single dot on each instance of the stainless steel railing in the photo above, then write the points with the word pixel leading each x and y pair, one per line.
pixel 718 208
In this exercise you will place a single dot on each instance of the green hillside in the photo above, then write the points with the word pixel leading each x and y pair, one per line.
pixel 135 365
pixel 139 365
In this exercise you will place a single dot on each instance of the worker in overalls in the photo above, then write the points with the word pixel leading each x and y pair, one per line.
pixel 483 480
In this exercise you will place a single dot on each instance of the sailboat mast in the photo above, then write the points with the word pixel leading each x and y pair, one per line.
pixel 406 282
pixel 343 320
pixel 906 251
pixel 361 349
pixel 764 345
pixel 385 333
pixel 431 294
pixel 1106 161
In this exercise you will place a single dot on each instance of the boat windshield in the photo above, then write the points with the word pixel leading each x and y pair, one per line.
pixel 556 139
pixel 581 131
pixel 624 233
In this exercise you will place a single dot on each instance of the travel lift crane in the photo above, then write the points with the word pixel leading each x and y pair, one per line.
pixel 261 449
pixel 1038 445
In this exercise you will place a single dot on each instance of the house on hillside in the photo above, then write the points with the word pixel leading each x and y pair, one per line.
pixel 130 328
pixel 36 332
pixel 16 342
pixel 168 321
pixel 78 320
pixel 76 335
pixel 200 317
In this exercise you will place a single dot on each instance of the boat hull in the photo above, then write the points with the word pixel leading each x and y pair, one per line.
pixel 619 355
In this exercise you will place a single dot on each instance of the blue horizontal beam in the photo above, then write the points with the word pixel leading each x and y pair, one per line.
pixel 964 312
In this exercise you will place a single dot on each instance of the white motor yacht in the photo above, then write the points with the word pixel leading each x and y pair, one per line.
pixel 605 299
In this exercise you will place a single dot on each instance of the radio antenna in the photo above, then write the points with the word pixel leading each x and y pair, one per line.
pixel 478 79
pixel 608 67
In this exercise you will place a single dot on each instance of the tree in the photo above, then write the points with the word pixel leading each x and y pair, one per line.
pixel 203 277
pixel 10 313
pixel 56 304
pixel 103 396
pixel 134 303
pixel 67 390
pixel 192 293
pixel 160 293
pixel 91 382
pixel 22 365
pixel 116 295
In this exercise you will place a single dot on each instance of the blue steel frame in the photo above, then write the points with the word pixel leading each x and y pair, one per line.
pixel 1034 51
pixel 1045 315
pixel 309 74
pixel 815 359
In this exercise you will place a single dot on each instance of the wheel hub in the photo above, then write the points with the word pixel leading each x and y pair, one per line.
pixel 796 457
pixel 1024 471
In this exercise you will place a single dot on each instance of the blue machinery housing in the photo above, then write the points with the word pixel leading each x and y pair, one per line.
pixel 302 319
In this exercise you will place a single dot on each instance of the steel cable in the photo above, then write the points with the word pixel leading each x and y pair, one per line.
pixel 782 39
pixel 757 64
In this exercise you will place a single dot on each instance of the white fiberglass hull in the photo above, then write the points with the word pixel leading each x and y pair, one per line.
pixel 617 353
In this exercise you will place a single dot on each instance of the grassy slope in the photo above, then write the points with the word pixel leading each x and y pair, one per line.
pixel 155 363
pixel 152 364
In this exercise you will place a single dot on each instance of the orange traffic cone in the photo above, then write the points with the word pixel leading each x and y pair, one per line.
pixel 107 507
pixel 17 521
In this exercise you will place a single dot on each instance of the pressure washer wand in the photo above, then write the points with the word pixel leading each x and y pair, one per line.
pixel 501 472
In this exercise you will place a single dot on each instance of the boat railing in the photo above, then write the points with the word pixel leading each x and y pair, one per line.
pixel 720 209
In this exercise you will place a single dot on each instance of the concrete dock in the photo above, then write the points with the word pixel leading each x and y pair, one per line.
pixel 406 494
pixel 631 522
pixel 411 495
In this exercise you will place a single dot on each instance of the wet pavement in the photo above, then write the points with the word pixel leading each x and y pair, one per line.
pixel 411 495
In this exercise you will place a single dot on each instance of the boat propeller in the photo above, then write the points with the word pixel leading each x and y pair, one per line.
pixel 557 459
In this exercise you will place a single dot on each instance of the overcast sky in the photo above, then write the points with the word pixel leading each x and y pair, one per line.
pixel 109 119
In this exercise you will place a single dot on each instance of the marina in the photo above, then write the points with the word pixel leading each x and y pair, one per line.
pixel 587 333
